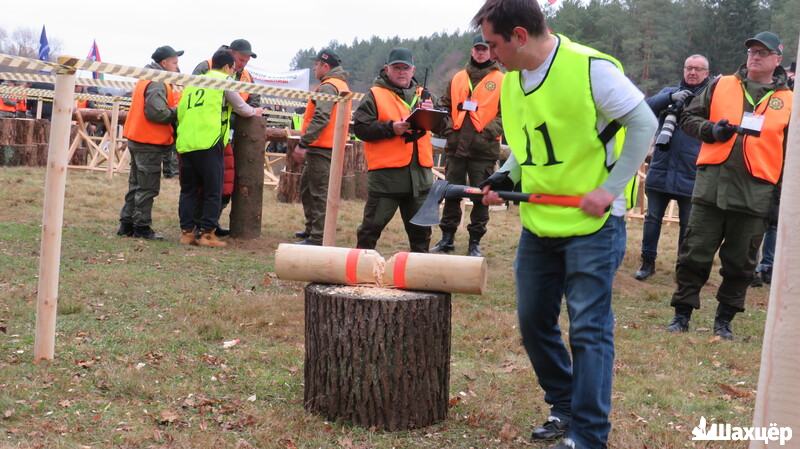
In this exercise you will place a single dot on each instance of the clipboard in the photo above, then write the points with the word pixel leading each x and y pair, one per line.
pixel 426 119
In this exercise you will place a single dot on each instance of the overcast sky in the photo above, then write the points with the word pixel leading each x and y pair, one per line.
pixel 128 32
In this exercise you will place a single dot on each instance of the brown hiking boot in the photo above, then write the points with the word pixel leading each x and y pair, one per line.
pixel 208 238
pixel 188 237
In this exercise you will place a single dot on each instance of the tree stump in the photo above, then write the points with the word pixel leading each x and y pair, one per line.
pixel 289 180
pixel 21 140
pixel 377 357
pixel 248 155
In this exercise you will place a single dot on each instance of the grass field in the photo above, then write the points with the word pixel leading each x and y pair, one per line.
pixel 140 361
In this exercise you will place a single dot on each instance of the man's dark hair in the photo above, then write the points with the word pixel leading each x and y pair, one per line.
pixel 505 15
pixel 221 58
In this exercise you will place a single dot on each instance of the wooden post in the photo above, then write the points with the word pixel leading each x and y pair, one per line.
pixel 112 148
pixel 377 357
pixel 340 132
pixel 39 108
pixel 778 397
pixel 53 216
pixel 249 140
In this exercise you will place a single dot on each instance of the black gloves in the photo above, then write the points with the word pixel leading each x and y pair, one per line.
pixel 680 95
pixel 499 181
pixel 722 130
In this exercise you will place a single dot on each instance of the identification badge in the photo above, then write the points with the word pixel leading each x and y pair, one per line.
pixel 470 105
pixel 752 124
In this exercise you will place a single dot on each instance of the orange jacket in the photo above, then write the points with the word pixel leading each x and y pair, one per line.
pixel 486 94
pixel 6 107
pixel 245 78
pixel 395 152
pixel 138 128
pixel 325 139
pixel 22 105
pixel 81 104
pixel 763 155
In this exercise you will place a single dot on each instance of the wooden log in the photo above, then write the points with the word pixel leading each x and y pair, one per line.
pixel 335 180
pixel 276 134
pixel 96 115
pixel 375 357
pixel 289 183
pixel 248 190
pixel 436 272
pixel 53 218
pixel 20 141
pixel 778 397
pixel 328 264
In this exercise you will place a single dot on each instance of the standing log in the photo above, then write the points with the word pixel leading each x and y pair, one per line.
pixel 21 140
pixel 53 218
pixel 778 398
pixel 289 181
pixel 378 358
pixel 248 154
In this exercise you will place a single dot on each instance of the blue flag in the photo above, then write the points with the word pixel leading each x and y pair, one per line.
pixel 44 47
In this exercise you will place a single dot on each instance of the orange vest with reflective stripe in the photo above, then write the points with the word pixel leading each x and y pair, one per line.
pixel 486 94
pixel 763 155
pixel 7 108
pixel 325 139
pixel 395 152
pixel 138 128
pixel 244 77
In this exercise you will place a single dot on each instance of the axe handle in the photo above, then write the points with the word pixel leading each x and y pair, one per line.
pixel 538 198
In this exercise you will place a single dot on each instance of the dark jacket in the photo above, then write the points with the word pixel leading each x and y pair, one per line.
pixel 468 142
pixel 322 111
pixel 729 186
pixel 412 179
pixel 672 170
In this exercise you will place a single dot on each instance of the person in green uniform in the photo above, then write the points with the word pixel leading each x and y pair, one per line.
pixel 743 121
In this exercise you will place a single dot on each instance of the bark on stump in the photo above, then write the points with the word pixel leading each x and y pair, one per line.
pixel 377 357
pixel 22 140
pixel 289 180
pixel 248 154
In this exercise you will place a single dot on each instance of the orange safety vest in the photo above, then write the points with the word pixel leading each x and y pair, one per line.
pixel 394 152
pixel 81 104
pixel 22 105
pixel 7 108
pixel 486 94
pixel 244 77
pixel 138 128
pixel 325 139
pixel 763 155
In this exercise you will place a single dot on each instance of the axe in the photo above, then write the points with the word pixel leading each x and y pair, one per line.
pixel 428 213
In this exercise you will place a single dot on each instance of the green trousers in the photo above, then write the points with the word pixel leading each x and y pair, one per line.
pixel 314 194
pixel 144 184
pixel 737 236
pixel 380 210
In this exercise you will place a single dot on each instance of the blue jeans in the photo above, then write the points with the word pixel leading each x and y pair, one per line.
pixel 768 250
pixel 657 203
pixel 582 268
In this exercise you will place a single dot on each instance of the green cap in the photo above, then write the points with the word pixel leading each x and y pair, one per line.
pixel 400 55
pixel 479 40
pixel 767 39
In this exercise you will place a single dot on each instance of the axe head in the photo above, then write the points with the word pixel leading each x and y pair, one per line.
pixel 428 214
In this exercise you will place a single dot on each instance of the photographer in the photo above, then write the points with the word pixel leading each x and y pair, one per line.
pixel 743 121
pixel 672 168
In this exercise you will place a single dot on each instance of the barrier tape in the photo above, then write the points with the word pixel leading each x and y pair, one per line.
pixel 28 64
pixel 39 78
pixel 199 81
pixel 49 94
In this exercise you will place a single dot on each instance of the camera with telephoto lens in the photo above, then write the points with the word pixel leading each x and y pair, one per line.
pixel 670 123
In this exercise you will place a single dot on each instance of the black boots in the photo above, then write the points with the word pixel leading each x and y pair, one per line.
pixel 552 429
pixel 722 321
pixel 445 245
pixel 647 269
pixel 146 232
pixel 125 229
pixel 680 322
pixel 474 249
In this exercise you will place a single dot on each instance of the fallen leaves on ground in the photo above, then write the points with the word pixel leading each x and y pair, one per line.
pixel 735 392
pixel 507 433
